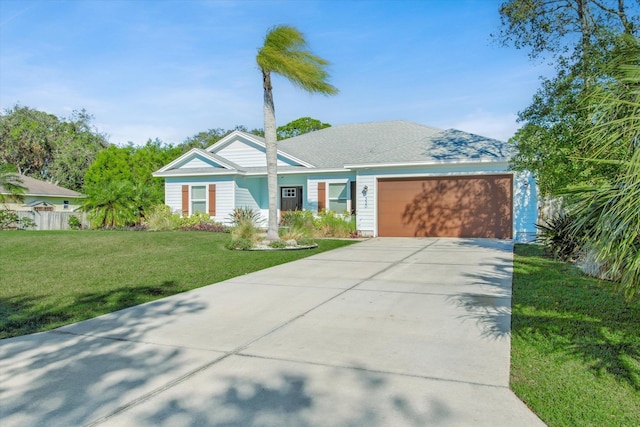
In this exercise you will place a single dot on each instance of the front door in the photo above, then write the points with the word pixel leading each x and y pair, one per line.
pixel 290 199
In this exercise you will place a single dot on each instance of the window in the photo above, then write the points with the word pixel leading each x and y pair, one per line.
pixel 289 193
pixel 65 204
pixel 338 197
pixel 198 199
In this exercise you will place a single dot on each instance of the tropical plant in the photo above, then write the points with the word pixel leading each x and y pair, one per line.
pixel 111 205
pixel 285 53
pixel 560 237
pixel 11 188
pixel 612 209
pixel 243 214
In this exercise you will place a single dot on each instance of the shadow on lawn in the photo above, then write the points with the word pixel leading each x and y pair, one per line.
pixel 21 315
pixel 577 316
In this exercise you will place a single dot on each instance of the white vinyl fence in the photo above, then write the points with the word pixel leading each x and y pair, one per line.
pixel 47 220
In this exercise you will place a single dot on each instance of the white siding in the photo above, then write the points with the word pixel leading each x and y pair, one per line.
pixel 311 200
pixel 197 162
pixel 225 189
pixel 365 204
pixel 249 155
pixel 525 207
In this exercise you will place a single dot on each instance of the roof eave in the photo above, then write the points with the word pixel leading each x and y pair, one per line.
pixel 499 161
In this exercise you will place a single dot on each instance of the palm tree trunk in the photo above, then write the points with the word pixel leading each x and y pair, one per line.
pixel 272 155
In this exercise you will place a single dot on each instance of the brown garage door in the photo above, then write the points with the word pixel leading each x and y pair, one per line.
pixel 460 206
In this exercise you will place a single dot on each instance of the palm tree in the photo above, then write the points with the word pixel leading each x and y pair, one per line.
pixel 611 210
pixel 285 52
pixel 10 184
pixel 111 205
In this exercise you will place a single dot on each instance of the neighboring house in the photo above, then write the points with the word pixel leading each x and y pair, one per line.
pixel 42 196
pixel 399 179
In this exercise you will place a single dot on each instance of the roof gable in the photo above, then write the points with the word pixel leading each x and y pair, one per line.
pixel 249 150
pixel 198 159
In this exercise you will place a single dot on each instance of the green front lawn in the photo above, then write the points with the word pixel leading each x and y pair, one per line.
pixel 575 345
pixel 49 279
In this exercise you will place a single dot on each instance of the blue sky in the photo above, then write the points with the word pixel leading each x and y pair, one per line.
pixel 170 69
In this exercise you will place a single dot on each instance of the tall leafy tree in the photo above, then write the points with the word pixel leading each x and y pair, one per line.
pixel 46 147
pixel 578 37
pixel 285 52
pixel 300 126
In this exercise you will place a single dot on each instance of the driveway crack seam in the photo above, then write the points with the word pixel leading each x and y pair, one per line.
pixel 375 371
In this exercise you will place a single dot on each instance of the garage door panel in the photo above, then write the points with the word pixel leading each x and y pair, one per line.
pixel 446 207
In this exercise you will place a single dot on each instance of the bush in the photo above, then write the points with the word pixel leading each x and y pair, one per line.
pixel 74 223
pixel 213 227
pixel 330 224
pixel 277 244
pixel 301 220
pixel 244 244
pixel 160 218
pixel 8 219
pixel 560 237
pixel 27 223
pixel 186 222
pixel 295 233
pixel 306 241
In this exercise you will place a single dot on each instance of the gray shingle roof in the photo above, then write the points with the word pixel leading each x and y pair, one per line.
pixel 391 142
pixel 35 187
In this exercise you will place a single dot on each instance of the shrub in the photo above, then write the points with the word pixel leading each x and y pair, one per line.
pixel 240 215
pixel 8 219
pixel 214 227
pixel 330 224
pixel 160 217
pixel 560 237
pixel 74 223
pixel 295 233
pixel 195 219
pixel 306 241
pixel 244 244
pixel 27 223
pixel 302 220
pixel 278 244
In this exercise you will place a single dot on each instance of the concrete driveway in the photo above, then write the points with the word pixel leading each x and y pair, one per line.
pixel 386 332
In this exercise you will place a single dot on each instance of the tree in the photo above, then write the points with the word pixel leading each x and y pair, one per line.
pixel 299 127
pixel 111 205
pixel 131 167
pixel 285 53
pixel 48 148
pixel 74 147
pixel 578 36
pixel 27 139
pixel 11 183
